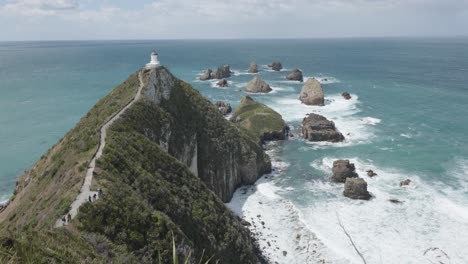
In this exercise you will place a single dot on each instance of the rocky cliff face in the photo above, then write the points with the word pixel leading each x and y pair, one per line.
pixel 169 162
pixel 194 132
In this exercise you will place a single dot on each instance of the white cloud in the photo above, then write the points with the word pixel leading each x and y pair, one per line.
pixel 236 18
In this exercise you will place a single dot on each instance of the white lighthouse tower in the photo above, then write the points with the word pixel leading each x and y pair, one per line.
pixel 154 61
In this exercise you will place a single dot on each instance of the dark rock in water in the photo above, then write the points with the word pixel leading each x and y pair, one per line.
pixel 343 169
pixel 260 121
pixel 245 223
pixel 295 75
pixel 356 188
pixel 371 173
pixel 312 93
pixel 207 75
pixel 395 201
pixel 346 95
pixel 223 83
pixel 257 85
pixel 318 128
pixel 276 66
pixel 222 72
pixel 253 68
pixel 405 182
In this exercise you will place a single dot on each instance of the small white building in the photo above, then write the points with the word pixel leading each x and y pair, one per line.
pixel 154 61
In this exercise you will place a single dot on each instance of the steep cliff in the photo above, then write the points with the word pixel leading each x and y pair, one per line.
pixel 169 163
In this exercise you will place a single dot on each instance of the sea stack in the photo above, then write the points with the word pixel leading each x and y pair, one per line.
pixel 253 68
pixel 222 83
pixel 356 188
pixel 257 85
pixel 343 169
pixel 312 93
pixel 276 66
pixel 206 75
pixel 222 72
pixel 295 75
pixel 318 128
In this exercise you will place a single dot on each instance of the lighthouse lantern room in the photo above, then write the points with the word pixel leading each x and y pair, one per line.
pixel 154 61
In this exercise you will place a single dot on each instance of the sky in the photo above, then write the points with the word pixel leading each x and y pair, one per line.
pixel 223 19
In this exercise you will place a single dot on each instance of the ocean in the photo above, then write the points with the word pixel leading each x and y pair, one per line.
pixel 407 119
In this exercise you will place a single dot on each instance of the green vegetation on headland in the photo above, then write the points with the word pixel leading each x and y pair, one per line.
pixel 169 163
pixel 260 121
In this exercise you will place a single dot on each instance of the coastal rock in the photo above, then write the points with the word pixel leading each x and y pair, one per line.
pixel 312 93
pixel 207 75
pixel 276 66
pixel 395 201
pixel 343 169
pixel 225 109
pixel 257 85
pixel 222 83
pixel 262 122
pixel 253 68
pixel 346 95
pixel 371 173
pixel 405 183
pixel 222 72
pixel 356 188
pixel 295 75
pixel 318 128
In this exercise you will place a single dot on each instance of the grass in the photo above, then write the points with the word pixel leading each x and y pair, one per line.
pixel 257 118
pixel 48 188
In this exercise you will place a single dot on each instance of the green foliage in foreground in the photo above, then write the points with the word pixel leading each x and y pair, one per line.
pixel 148 194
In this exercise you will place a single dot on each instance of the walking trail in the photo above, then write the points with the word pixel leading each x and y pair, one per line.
pixel 85 191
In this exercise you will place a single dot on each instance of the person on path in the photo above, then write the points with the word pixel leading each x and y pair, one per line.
pixel 99 192
pixel 64 220
pixel 89 198
pixel 94 197
pixel 69 218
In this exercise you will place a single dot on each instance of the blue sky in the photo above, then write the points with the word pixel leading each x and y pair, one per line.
pixel 179 19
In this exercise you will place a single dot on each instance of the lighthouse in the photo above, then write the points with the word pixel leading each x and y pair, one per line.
pixel 154 61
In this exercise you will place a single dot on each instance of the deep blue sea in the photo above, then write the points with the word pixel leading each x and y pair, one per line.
pixel 408 118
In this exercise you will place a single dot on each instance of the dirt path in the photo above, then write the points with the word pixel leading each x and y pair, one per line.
pixel 85 191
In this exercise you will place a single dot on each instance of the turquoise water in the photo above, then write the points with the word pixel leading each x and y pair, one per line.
pixel 407 119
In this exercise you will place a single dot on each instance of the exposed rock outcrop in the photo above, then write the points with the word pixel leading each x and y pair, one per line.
pixel 356 188
pixel 257 85
pixel 262 122
pixel 318 128
pixel 253 68
pixel 343 169
pixel 276 66
pixel 222 72
pixel 295 75
pixel 346 95
pixel 371 173
pixel 222 83
pixel 406 182
pixel 312 93
pixel 225 109
pixel 207 75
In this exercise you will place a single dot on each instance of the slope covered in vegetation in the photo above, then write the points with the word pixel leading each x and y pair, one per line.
pixel 169 163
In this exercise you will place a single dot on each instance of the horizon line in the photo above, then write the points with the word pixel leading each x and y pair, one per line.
pixel 247 38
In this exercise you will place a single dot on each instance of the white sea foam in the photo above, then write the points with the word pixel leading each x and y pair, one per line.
pixel 385 232
pixel 341 111
pixel 323 79
pixel 214 82
pixel 277 223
